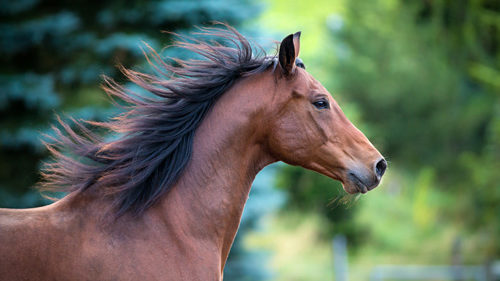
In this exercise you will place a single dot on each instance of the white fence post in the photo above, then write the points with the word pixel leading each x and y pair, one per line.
pixel 340 258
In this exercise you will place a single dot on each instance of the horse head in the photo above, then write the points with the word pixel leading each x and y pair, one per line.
pixel 307 128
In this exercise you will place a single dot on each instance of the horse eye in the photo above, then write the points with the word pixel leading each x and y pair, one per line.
pixel 321 104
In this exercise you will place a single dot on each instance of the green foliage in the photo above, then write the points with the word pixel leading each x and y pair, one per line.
pixel 309 191
pixel 298 252
pixel 413 71
pixel 429 91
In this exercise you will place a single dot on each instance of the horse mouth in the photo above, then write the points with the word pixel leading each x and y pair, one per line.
pixel 352 182
pixel 359 185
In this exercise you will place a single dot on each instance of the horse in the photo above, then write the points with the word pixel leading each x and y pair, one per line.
pixel 162 200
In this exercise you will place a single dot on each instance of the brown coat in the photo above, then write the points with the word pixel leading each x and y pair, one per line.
pixel 280 113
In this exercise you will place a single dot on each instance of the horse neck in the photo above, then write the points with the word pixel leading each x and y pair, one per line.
pixel 208 200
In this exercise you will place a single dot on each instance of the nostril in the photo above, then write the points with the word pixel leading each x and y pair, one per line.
pixel 380 167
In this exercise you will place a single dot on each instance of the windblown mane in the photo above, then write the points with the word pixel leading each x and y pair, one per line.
pixel 155 133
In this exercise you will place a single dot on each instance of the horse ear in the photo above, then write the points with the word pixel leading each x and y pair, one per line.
pixel 289 51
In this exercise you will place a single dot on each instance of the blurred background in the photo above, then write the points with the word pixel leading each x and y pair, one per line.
pixel 420 78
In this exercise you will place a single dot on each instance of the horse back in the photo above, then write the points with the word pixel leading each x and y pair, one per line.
pixel 22 238
pixel 66 242
pixel 34 243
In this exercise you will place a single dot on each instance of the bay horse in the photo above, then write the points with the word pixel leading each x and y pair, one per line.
pixel 163 199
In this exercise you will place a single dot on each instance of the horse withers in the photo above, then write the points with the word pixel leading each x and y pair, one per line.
pixel 163 201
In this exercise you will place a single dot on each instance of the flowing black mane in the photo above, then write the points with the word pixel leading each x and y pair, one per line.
pixel 156 133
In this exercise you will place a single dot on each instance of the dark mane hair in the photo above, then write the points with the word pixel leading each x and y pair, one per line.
pixel 155 133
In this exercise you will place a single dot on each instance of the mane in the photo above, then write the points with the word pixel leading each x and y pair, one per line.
pixel 156 132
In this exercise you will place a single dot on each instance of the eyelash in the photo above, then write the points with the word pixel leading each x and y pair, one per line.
pixel 321 104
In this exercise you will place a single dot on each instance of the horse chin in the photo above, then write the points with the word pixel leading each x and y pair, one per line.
pixel 351 185
pixel 354 187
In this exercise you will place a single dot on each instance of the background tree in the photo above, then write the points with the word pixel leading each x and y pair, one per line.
pixel 426 80
pixel 52 56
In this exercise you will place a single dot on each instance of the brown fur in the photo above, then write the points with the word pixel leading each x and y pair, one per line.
pixel 263 118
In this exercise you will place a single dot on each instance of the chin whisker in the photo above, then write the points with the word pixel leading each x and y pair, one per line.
pixel 344 199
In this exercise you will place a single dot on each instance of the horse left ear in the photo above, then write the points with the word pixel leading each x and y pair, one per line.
pixel 289 51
